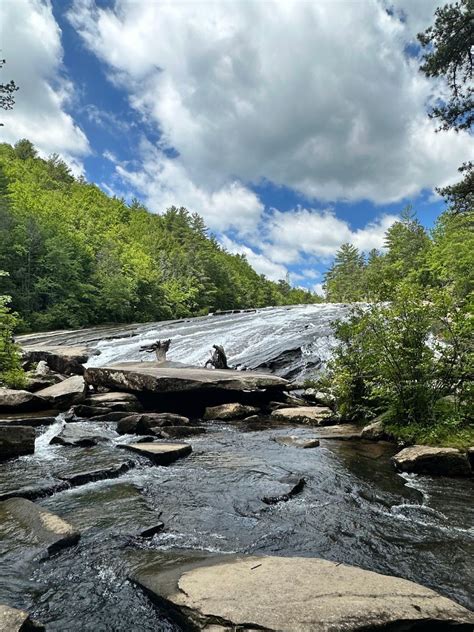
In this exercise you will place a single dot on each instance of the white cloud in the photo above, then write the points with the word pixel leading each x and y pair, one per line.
pixel 259 262
pixel 31 45
pixel 318 96
pixel 319 290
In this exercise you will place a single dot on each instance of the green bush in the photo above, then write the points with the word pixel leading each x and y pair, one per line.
pixel 11 373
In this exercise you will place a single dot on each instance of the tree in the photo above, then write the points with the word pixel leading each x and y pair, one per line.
pixel 7 92
pixel 343 281
pixel 25 149
pixel 11 373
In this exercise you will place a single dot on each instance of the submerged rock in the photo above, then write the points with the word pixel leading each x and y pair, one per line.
pixel 16 441
pixel 38 525
pixel 70 391
pixel 16 401
pixel 160 453
pixel 423 459
pixel 298 442
pixel 313 415
pixel 87 476
pixel 14 620
pixel 287 488
pixel 288 594
pixel 227 412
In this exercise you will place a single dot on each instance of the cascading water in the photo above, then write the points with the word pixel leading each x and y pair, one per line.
pixel 354 507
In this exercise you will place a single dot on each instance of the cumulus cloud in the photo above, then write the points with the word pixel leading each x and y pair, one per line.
pixel 31 44
pixel 262 264
pixel 319 96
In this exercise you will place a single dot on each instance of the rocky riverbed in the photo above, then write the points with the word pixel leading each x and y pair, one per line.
pixel 131 492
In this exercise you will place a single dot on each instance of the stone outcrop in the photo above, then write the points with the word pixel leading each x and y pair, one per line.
pixel 151 377
pixel 66 393
pixel 62 359
pixel 16 441
pixel 14 620
pixel 288 594
pixel 160 453
pixel 298 442
pixel 16 401
pixel 39 526
pixel 311 415
pixel 228 412
pixel 423 459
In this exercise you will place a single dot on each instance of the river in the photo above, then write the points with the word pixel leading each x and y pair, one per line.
pixel 354 508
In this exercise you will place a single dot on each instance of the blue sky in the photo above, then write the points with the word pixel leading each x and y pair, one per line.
pixel 292 127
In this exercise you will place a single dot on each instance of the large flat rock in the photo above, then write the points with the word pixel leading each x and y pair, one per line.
pixel 151 377
pixel 70 391
pixel 35 525
pixel 160 453
pixel 424 459
pixel 311 415
pixel 296 594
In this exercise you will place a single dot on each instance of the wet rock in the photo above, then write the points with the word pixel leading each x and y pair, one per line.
pixel 16 441
pixel 15 401
pixel 152 377
pixel 375 432
pixel 62 359
pixel 14 620
pixel 151 531
pixel 113 416
pixel 422 459
pixel 41 526
pixel 298 442
pixel 33 492
pixel 72 436
pixel 288 487
pixel 312 415
pixel 81 411
pixel 70 391
pixel 160 453
pixel 143 423
pixel 288 594
pixel 117 402
pixel 227 412
pixel 177 432
pixel 87 476
pixel 43 418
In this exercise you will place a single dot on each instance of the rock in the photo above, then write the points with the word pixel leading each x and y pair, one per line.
pixel 12 400
pixel 113 416
pixel 41 526
pixel 321 398
pixel 43 418
pixel 289 594
pixel 13 620
pixel 70 391
pixel 470 457
pixel 151 531
pixel 298 442
pixel 160 453
pixel 313 415
pixel 375 432
pixel 143 423
pixel 38 382
pixel 62 359
pixel 16 441
pixel 42 368
pixel 227 412
pixel 423 459
pixel 81 411
pixel 87 476
pixel 33 492
pixel 152 377
pixel 291 487
pixel 70 435
pixel 120 402
pixel 177 432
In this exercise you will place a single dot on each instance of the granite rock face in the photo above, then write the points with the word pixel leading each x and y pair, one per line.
pixel 424 459
pixel 288 594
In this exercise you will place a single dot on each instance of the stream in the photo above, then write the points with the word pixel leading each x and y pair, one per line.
pixel 353 509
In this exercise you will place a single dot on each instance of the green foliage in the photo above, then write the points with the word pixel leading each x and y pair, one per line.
pixel 77 257
pixel 406 357
pixel 11 373
pixel 7 93
pixel 343 281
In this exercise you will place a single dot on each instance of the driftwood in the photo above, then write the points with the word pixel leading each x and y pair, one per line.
pixel 218 359
pixel 160 347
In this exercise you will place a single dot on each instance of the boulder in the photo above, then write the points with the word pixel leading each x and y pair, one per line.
pixel 70 391
pixel 73 436
pixel 142 423
pixel 74 479
pixel 15 401
pixel 62 359
pixel 81 411
pixel 312 415
pixel 375 432
pixel 38 525
pixel 151 531
pixel 16 441
pixel 41 418
pixel 227 412
pixel 152 377
pixel 289 594
pixel 339 432
pixel 120 402
pixel 298 442
pixel 321 398
pixel 285 489
pixel 38 382
pixel 42 368
pixel 160 453
pixel 13 620
pixel 423 459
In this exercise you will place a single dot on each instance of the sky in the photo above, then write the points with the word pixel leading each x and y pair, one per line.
pixel 291 126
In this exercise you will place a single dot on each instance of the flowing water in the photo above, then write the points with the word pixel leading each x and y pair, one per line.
pixel 353 509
